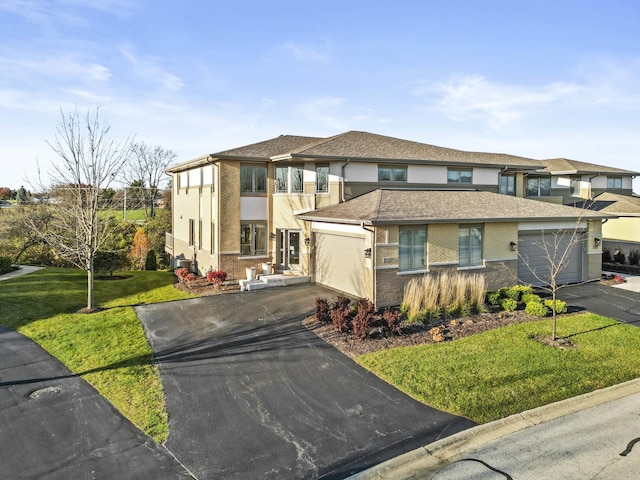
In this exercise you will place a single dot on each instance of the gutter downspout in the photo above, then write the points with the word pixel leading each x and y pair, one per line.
pixel 373 262
pixel 344 166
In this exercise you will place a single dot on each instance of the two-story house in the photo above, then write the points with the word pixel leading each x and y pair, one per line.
pixel 363 213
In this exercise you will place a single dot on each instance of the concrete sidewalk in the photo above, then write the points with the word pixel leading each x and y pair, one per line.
pixel 22 270
pixel 590 436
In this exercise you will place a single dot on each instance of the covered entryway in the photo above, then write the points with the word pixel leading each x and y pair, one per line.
pixel 531 251
pixel 340 264
pixel 288 245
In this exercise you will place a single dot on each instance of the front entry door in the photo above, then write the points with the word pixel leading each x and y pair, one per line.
pixel 289 250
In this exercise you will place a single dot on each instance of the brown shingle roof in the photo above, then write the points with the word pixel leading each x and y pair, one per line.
pixel 556 165
pixel 363 145
pixel 269 148
pixel 623 205
pixel 384 207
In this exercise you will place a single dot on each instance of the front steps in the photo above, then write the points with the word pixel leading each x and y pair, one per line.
pixel 275 280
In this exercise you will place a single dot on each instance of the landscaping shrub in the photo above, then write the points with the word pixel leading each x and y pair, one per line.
pixel 322 310
pixel 606 256
pixel 109 262
pixel 619 257
pixel 531 297
pixel 523 289
pixel 5 264
pixel 514 292
pixel 561 307
pixel 182 273
pixel 492 298
pixel 362 319
pixel 634 257
pixel 536 309
pixel 508 304
pixel 151 262
pixel 504 292
pixel 393 318
pixel 216 277
pixel 341 314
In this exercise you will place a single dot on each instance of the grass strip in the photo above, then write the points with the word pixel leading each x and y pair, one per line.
pixel 505 371
pixel 107 348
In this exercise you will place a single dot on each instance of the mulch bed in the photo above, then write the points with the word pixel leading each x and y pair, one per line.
pixel 414 334
pixel 201 287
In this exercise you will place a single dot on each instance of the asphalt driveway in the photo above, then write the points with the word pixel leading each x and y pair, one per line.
pixel 251 393
pixel 622 305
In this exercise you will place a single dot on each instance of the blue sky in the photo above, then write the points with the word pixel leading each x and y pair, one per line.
pixel 536 78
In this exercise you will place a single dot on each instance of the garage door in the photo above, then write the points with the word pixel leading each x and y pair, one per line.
pixel 531 251
pixel 340 263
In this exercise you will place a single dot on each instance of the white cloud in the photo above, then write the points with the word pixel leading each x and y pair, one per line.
pixel 149 69
pixel 73 12
pixel 307 53
pixel 473 97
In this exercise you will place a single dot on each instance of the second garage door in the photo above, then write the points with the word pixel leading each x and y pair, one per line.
pixel 339 264
pixel 531 251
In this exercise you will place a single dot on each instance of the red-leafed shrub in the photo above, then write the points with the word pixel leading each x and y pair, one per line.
pixel 216 277
pixel 322 310
pixel 363 318
pixel 393 318
pixel 341 314
pixel 182 273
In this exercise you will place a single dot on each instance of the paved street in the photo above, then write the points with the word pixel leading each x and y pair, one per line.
pixel 55 426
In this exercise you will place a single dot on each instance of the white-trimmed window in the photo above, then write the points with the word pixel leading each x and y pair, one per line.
pixel 253 239
pixel 322 178
pixel 253 179
pixel 538 186
pixel 470 245
pixel 411 249
pixel 460 175
pixel 392 174
pixel 289 179
pixel 614 182
pixel 192 232
pixel 507 185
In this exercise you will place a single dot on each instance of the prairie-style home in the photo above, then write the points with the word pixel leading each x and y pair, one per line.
pixel 363 213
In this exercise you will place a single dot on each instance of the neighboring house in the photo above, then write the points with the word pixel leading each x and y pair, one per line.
pixel 620 234
pixel 266 203
pixel 568 181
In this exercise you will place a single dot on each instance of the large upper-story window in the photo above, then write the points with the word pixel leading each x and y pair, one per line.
pixel 411 250
pixel 507 185
pixel 392 174
pixel 614 182
pixel 322 178
pixel 470 245
pixel 289 179
pixel 253 239
pixel 538 187
pixel 459 175
pixel 253 179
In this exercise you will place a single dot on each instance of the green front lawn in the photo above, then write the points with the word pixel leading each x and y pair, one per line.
pixel 107 348
pixel 505 371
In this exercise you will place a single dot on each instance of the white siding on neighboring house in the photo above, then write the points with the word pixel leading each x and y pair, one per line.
pixel 486 176
pixel 359 172
pixel 427 174
pixel 600 182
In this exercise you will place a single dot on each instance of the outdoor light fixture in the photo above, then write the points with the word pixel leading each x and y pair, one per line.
pixel 596 242
pixel 513 246
pixel 307 241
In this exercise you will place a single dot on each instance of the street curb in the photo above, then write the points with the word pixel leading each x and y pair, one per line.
pixel 437 455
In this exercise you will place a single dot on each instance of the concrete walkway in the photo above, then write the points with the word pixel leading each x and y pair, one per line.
pixel 22 270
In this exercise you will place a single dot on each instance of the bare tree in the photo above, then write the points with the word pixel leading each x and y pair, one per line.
pixel 89 159
pixel 554 249
pixel 146 168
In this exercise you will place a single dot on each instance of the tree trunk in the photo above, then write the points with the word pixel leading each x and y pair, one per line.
pixel 90 287
pixel 553 311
